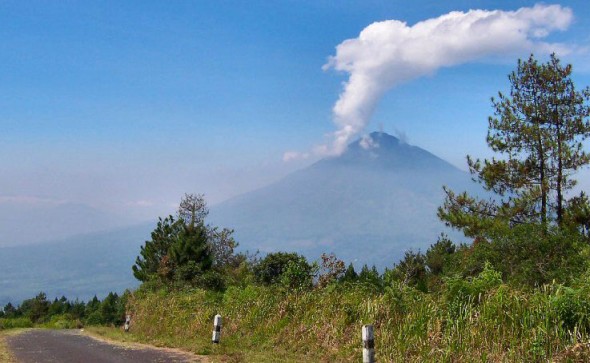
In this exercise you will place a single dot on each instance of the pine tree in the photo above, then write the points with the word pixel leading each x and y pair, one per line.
pixel 37 308
pixel 109 309
pixel 153 258
pixel 10 311
pixel 92 306
pixel 538 131
pixel 78 309
pixel 350 274
pixel 190 253
pixel 184 248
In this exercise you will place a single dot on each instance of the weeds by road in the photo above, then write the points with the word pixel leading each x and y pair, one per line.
pixel 228 353
pixel 5 355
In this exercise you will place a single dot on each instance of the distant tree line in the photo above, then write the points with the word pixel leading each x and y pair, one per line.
pixel 76 313
pixel 182 255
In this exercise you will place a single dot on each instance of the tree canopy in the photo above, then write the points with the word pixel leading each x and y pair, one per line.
pixel 183 249
pixel 538 131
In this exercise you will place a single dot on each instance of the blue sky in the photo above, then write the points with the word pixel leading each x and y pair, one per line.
pixel 126 105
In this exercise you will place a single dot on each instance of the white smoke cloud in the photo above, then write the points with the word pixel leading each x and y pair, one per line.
pixel 401 135
pixel 368 143
pixel 388 53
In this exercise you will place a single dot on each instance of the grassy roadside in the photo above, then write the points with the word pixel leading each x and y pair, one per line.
pixel 226 353
pixel 127 340
pixel 480 320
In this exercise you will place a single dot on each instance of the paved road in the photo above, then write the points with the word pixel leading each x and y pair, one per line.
pixel 70 346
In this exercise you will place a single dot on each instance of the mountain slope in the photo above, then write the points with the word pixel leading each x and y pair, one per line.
pixel 368 205
pixel 27 222
pixel 77 267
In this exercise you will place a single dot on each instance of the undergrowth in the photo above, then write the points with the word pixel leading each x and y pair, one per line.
pixel 477 320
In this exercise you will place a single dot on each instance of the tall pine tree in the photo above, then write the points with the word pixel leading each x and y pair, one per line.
pixel 537 130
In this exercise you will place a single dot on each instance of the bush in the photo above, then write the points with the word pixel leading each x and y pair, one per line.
pixel 211 280
pixel 12 323
pixel 63 321
pixel 458 288
pixel 528 255
pixel 571 308
pixel 271 268
pixel 298 275
pixel 95 318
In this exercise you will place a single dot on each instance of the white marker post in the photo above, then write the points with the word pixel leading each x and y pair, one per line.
pixel 368 344
pixel 216 329
pixel 127 323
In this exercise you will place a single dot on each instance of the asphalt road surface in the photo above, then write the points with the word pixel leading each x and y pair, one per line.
pixel 71 346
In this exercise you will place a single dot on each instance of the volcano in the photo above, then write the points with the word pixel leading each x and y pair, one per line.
pixel 369 205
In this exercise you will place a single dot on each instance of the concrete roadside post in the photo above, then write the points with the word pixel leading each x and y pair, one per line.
pixel 216 329
pixel 127 323
pixel 368 344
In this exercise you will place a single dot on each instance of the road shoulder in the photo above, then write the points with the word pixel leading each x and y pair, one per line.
pixel 6 355
pixel 118 338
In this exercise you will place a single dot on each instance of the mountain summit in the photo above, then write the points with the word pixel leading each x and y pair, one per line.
pixel 368 205
pixel 386 152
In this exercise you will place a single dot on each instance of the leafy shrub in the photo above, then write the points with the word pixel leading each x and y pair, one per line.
pixel 211 280
pixel 297 275
pixel 461 292
pixel 95 318
pixel 438 256
pixel 528 255
pixel 571 308
pixel 271 268
pixel 63 321
pixel 12 323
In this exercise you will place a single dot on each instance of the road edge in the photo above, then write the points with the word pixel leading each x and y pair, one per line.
pixel 137 345
pixel 6 354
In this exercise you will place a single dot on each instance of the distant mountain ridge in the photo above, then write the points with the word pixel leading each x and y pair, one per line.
pixel 77 267
pixel 369 205
pixel 33 222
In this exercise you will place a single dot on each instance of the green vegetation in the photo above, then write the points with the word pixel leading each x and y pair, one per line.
pixel 185 252
pixel 64 314
pixel 477 319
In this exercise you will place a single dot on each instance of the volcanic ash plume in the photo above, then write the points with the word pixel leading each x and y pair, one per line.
pixel 388 53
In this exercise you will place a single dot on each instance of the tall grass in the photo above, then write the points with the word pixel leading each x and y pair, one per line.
pixel 13 323
pixel 481 320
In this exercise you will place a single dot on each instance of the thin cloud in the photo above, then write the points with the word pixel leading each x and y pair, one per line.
pixel 30 200
pixel 294 155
